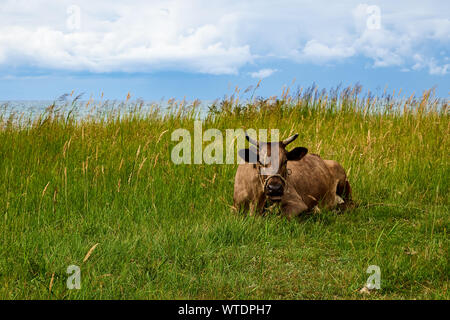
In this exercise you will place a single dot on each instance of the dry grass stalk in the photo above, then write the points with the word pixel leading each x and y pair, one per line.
pixel 90 252
pixel 45 189
pixel 51 283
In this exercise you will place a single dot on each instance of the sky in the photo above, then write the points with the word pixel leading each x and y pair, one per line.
pixel 158 49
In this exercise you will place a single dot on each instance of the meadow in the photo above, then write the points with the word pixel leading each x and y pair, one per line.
pixel 100 191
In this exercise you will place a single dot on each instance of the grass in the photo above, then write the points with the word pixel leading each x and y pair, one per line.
pixel 166 231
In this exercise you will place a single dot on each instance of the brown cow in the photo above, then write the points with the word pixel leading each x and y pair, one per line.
pixel 299 181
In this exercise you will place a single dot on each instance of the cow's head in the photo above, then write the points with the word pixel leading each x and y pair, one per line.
pixel 270 159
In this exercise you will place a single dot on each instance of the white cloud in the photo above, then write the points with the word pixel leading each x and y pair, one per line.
pixel 263 73
pixel 436 69
pixel 319 52
pixel 136 38
pixel 220 37
pixel 433 67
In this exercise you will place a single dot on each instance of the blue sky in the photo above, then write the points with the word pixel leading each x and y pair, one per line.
pixel 204 49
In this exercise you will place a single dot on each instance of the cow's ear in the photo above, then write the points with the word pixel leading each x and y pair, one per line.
pixel 249 155
pixel 297 153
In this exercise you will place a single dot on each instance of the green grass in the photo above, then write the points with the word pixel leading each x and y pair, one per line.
pixel 166 231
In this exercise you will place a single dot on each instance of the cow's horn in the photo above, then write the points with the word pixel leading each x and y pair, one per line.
pixel 252 141
pixel 290 139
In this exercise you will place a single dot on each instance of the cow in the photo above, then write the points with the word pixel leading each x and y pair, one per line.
pixel 296 180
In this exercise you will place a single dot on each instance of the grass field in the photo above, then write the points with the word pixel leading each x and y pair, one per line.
pixel 166 231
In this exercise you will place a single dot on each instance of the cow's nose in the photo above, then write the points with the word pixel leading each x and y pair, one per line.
pixel 274 187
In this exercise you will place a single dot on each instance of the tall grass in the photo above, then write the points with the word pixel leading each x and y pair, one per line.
pixel 86 174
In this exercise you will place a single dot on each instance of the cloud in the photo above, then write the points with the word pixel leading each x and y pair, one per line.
pixel 220 37
pixel 319 52
pixel 140 38
pixel 438 70
pixel 433 67
pixel 263 73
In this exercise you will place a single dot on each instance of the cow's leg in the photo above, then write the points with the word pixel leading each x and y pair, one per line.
pixel 259 206
pixel 250 207
pixel 292 209
pixel 244 205
pixel 339 200
pixel 331 200
pixel 254 209
pixel 343 189
pixel 345 192
pixel 292 204
pixel 241 202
